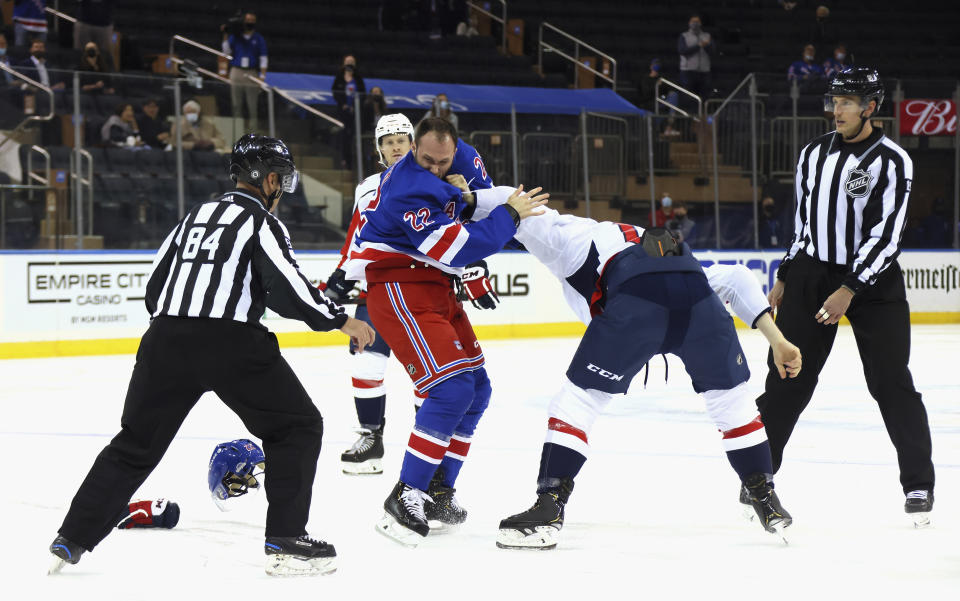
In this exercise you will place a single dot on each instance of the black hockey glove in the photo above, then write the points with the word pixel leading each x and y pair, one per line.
pixel 337 286
pixel 475 284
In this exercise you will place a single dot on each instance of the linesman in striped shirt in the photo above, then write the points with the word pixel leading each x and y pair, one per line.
pixel 213 278
pixel 852 187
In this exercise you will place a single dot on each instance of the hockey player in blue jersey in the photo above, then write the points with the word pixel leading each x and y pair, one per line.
pixel 641 294
pixel 410 245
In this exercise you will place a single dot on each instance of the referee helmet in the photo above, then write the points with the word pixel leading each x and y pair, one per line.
pixel 863 82
pixel 255 157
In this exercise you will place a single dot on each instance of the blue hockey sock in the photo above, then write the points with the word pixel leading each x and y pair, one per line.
pixel 751 460
pixel 370 411
pixel 556 463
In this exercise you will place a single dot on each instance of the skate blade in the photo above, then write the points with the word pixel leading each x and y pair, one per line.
pixel 438 527
pixel 368 467
pixel 748 513
pixel 394 530
pixel 920 519
pixel 542 538
pixel 778 530
pixel 291 565
pixel 56 565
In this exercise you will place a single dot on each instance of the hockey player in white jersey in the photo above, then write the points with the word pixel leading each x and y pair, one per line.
pixel 393 134
pixel 641 294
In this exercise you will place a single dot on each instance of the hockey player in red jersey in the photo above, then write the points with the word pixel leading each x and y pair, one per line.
pixel 410 244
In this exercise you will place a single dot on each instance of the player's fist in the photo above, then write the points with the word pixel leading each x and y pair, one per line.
pixel 527 204
pixel 338 287
pixel 475 283
pixel 150 514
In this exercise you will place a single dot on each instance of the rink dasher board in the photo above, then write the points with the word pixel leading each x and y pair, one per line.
pixel 91 302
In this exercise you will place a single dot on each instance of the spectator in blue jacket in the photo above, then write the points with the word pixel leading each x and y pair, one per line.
pixel 836 63
pixel 249 51
pixel 805 71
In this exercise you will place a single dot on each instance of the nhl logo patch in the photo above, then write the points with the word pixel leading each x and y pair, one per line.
pixel 411 369
pixel 858 183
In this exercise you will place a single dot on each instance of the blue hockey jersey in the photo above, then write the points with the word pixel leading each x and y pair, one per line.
pixel 416 216
pixel 467 162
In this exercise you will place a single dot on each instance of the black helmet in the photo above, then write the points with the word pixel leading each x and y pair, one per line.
pixel 855 81
pixel 254 157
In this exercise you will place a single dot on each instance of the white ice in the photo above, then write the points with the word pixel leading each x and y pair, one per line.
pixel 654 514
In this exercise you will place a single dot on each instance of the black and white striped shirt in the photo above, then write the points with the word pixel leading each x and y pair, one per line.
pixel 851 205
pixel 230 259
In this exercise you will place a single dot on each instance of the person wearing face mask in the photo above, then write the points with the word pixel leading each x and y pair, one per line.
pixel 95 24
pixel 695 47
pixel 346 85
pixel 665 212
pixel 5 78
pixel 822 31
pixel 835 63
pixel 374 107
pixel 198 133
pixel 441 108
pixel 35 67
pixel 805 71
pixel 680 225
pixel 771 227
pixel 92 67
pixel 249 52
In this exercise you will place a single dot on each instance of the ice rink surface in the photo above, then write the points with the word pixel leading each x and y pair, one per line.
pixel 654 514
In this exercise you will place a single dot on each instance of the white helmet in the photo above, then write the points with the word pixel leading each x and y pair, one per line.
pixel 396 123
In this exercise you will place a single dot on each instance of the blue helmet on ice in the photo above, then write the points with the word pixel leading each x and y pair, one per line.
pixel 231 470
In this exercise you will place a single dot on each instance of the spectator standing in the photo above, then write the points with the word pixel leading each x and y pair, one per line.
pixel 153 131
pixel 374 107
pixel 346 85
pixel 92 66
pixel 95 24
pixel 771 226
pixel 835 63
pixel 249 52
pixel 805 71
pixel 822 32
pixel 441 108
pixel 198 132
pixel 680 225
pixel 695 47
pixel 29 21
pixel 35 67
pixel 121 129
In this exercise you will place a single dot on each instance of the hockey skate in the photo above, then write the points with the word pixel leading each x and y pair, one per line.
pixel 403 519
pixel 918 506
pixel 64 551
pixel 538 527
pixel 366 455
pixel 761 496
pixel 298 556
pixel 442 510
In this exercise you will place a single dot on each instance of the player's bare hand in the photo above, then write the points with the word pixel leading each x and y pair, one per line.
pixel 528 204
pixel 834 307
pixel 775 297
pixel 360 333
pixel 787 358
pixel 458 181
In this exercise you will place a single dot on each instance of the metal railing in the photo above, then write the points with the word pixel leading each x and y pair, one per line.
pixel 30 118
pixel 680 89
pixel 782 149
pixel 575 59
pixel 502 19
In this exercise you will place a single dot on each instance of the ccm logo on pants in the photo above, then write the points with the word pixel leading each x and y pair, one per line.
pixel 604 373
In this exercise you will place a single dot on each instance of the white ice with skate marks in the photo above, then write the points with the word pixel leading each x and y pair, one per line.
pixel 655 510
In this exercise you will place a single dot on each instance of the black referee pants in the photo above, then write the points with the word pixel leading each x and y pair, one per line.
pixel 179 359
pixel 880 318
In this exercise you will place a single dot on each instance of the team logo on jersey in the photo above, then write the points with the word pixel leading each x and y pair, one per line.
pixel 740 359
pixel 411 369
pixel 457 344
pixel 858 183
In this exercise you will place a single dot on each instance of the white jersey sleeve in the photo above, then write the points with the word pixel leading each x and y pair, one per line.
pixel 736 285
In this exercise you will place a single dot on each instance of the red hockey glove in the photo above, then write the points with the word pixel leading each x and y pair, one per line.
pixel 476 286
pixel 150 514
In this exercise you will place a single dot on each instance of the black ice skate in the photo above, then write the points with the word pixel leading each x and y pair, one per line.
pixel 918 506
pixel 64 551
pixel 298 556
pixel 404 520
pixel 758 492
pixel 538 527
pixel 366 455
pixel 442 510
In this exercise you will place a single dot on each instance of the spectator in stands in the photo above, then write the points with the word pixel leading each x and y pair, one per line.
pixel 29 21
pixel 468 28
pixel 35 67
pixel 121 129
pixel 249 51
pixel 805 71
pixel 95 24
pixel 695 47
pixel 787 4
pixel 835 63
pixel 198 132
pixel 10 114
pixel 680 225
pixel 646 98
pixel 822 32
pixel 153 131
pixel 665 212
pixel 441 108
pixel 346 85
pixel 92 67
pixel 374 107
pixel 6 79
pixel 771 226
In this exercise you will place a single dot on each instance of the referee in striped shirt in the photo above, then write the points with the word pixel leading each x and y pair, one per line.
pixel 852 187
pixel 213 278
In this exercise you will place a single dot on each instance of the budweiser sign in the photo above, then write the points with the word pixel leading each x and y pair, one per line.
pixel 928 117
